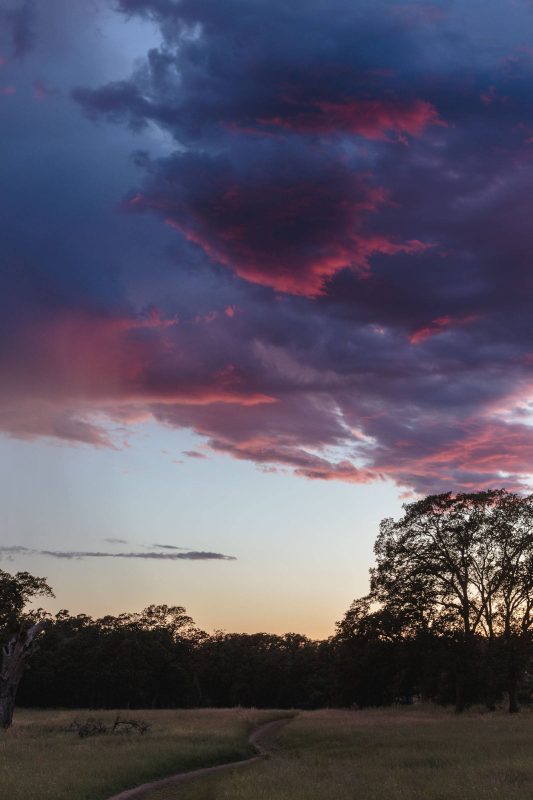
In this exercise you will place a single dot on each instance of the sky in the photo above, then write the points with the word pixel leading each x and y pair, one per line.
pixel 265 275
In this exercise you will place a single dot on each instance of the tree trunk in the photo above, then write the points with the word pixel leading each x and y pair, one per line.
pixel 15 656
pixel 460 702
pixel 512 684
pixel 490 677
pixel 515 662
pixel 463 673
pixel 7 706
pixel 460 679
pixel 514 706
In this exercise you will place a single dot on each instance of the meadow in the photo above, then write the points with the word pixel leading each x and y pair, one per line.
pixel 41 759
pixel 409 753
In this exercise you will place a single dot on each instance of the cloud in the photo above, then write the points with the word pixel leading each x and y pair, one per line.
pixel 169 547
pixel 305 464
pixel 20 22
pixel 439 325
pixel 256 75
pixel 12 550
pixel 112 540
pixel 318 258
pixel 373 119
pixel 282 219
pixel 69 555
pixel 473 454
pixel 86 365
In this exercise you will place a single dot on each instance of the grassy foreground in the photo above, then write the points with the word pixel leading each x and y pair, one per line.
pixel 41 760
pixel 404 754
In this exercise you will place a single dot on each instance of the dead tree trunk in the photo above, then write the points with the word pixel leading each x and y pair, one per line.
pixel 15 656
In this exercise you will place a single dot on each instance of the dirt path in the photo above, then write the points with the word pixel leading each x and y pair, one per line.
pixel 260 738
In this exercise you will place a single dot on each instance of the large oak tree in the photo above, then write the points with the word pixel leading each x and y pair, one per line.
pixel 462 564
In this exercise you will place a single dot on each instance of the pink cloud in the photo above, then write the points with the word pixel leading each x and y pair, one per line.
pixel 86 379
pixel 208 317
pixel 491 451
pixel 440 325
pixel 271 451
pixel 263 269
pixel 74 369
pixel 372 119
pixel 249 231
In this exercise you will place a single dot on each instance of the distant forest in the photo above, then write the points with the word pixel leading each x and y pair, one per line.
pixel 448 619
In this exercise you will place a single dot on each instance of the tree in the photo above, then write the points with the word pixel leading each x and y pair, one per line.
pixel 508 614
pixel 19 633
pixel 462 564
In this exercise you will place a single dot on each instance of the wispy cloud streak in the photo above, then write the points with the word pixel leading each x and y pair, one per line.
pixel 69 555
pixel 169 547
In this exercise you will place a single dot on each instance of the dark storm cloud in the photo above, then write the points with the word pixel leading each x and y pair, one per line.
pixel 319 259
pixel 307 66
pixel 280 218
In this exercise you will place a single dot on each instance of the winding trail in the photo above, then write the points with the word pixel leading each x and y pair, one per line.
pixel 260 738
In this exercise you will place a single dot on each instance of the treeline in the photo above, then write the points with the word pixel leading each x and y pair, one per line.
pixel 159 659
pixel 448 619
pixel 119 662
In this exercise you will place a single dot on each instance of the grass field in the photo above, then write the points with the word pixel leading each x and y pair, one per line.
pixel 404 754
pixel 41 760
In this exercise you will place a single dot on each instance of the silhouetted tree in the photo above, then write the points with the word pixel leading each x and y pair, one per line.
pixel 19 631
pixel 462 565
pixel 448 619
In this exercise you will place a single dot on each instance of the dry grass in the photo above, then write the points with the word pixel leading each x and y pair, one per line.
pixel 41 760
pixel 405 754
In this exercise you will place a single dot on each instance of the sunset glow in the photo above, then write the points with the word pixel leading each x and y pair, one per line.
pixel 265 271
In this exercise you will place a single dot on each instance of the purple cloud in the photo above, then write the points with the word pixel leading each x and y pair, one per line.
pixel 320 258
